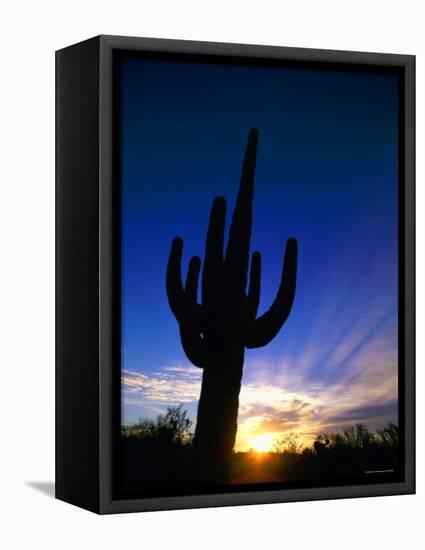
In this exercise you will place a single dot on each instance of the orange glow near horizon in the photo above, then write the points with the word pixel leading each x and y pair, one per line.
pixel 251 437
pixel 262 443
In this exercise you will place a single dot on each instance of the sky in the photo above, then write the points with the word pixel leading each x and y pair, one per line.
pixel 326 175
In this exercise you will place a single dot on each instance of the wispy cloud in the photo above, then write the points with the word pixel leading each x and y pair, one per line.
pixel 170 385
pixel 365 413
pixel 346 371
pixel 364 391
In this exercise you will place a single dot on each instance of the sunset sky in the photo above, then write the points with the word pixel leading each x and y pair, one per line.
pixel 327 175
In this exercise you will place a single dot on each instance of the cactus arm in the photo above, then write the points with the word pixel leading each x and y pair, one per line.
pixel 183 308
pixel 192 343
pixel 265 328
pixel 253 294
pixel 213 262
pixel 193 346
pixel 191 286
pixel 237 251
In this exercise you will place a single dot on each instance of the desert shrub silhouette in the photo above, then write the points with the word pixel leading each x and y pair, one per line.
pixel 215 333
pixel 388 435
pixel 351 453
pixel 171 427
pixel 157 455
pixel 289 443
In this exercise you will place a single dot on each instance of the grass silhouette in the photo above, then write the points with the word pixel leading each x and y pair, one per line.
pixel 158 454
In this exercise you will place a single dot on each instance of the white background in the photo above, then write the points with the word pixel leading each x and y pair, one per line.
pixel 30 31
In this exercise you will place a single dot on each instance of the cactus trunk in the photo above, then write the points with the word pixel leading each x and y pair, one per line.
pixel 216 423
pixel 215 333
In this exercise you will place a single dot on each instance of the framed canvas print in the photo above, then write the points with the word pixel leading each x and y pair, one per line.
pixel 235 274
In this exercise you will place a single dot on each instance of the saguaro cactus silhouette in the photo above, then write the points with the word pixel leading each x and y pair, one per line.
pixel 215 332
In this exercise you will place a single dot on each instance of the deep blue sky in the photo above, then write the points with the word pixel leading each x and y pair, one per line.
pixel 326 174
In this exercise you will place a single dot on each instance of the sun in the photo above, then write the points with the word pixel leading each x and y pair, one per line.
pixel 262 443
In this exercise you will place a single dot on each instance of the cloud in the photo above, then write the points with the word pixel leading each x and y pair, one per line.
pixel 366 413
pixel 358 382
pixel 171 385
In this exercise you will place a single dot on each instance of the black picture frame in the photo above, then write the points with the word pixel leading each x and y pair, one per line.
pixel 87 270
